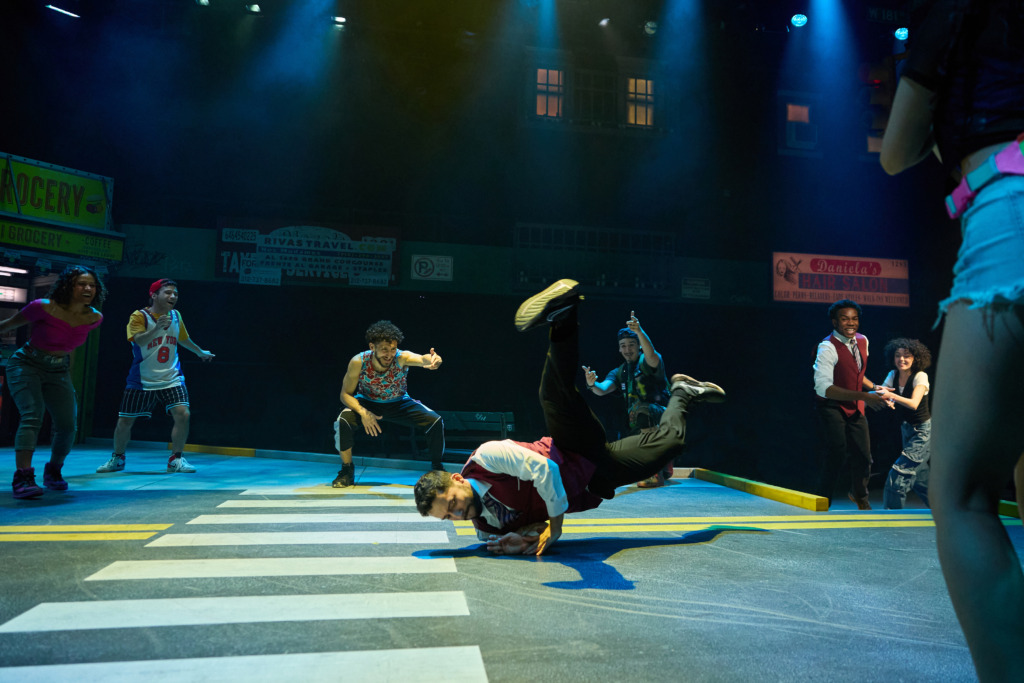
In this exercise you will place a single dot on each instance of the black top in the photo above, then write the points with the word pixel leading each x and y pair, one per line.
pixel 971 53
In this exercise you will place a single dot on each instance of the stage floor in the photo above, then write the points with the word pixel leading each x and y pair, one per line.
pixel 256 569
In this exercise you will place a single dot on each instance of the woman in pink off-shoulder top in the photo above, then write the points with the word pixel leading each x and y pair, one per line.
pixel 38 374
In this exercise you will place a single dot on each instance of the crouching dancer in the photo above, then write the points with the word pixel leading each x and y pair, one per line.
pixel 516 494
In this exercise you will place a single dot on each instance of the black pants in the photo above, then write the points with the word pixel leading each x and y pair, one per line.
pixel 407 412
pixel 574 427
pixel 843 439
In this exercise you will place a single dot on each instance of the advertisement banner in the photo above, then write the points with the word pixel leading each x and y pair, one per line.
pixel 302 253
pixel 39 191
pixel 817 278
pixel 20 235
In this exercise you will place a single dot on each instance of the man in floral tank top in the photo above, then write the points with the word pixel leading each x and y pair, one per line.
pixel 375 390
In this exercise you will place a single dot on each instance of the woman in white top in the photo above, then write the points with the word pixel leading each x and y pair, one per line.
pixel 909 358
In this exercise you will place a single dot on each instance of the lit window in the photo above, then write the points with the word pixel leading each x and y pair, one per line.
pixel 550 91
pixel 640 102
pixel 798 113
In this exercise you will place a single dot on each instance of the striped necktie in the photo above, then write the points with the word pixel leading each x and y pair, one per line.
pixel 855 350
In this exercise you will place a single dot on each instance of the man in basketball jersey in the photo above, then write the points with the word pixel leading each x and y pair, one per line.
pixel 155 333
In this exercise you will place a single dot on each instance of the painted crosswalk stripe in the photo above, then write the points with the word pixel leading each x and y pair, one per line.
pixel 323 518
pixel 275 566
pixel 460 665
pixel 302 538
pixel 332 503
pixel 325 490
pixel 72 616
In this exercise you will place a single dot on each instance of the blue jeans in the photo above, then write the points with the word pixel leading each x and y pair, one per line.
pixel 910 471
pixel 990 265
pixel 39 382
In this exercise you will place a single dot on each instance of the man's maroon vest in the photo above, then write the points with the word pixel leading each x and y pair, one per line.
pixel 522 496
pixel 846 375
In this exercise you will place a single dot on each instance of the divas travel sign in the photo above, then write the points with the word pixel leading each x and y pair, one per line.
pixel 305 252
pixel 817 278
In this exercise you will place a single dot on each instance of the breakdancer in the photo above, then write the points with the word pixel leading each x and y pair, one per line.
pixel 516 494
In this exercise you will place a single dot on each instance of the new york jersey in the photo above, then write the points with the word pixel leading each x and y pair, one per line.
pixel 156 365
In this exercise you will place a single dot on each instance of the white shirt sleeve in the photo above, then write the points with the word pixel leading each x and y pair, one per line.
pixel 509 458
pixel 824 367
pixel 922 378
pixel 890 380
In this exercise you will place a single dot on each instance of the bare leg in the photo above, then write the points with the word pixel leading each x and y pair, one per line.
pixel 123 434
pixel 179 432
pixel 978 402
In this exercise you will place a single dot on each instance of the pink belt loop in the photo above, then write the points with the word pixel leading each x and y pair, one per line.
pixel 1007 161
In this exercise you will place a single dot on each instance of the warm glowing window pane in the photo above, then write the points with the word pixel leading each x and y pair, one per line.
pixel 639 102
pixel 549 93
pixel 799 113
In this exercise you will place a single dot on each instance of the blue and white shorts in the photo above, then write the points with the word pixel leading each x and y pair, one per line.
pixel 139 402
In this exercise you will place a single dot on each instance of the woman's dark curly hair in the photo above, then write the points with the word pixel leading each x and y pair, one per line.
pixel 384 331
pixel 64 286
pixel 922 356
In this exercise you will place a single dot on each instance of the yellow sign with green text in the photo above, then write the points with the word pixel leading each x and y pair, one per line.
pixel 26 236
pixel 44 192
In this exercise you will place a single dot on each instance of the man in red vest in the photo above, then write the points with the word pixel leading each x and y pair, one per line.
pixel 515 493
pixel 843 390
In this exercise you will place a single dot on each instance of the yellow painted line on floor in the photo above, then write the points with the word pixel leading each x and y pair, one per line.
pixel 220 450
pixel 111 536
pixel 586 526
pixel 742 519
pixel 85 527
pixel 798 499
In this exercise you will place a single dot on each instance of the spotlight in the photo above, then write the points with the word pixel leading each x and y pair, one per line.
pixel 651 27
pixel 63 11
pixel 798 20
pixel 252 9
pixel 339 22
pixel 901 33
pixel 604 22
pixel 203 3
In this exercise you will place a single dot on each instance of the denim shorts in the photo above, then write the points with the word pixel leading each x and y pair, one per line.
pixel 990 266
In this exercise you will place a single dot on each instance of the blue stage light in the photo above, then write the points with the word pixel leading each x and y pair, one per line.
pixel 798 20
pixel 901 33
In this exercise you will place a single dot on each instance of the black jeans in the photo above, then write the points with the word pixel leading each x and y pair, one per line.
pixel 843 439
pixel 407 412
pixel 574 427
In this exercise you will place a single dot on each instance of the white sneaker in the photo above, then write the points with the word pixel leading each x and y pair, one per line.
pixel 115 464
pixel 179 464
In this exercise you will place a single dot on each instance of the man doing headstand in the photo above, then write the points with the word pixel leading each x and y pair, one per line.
pixel 516 494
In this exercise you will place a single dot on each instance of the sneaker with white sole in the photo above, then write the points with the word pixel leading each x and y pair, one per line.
pixel 548 306
pixel 179 464
pixel 115 464
pixel 697 390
